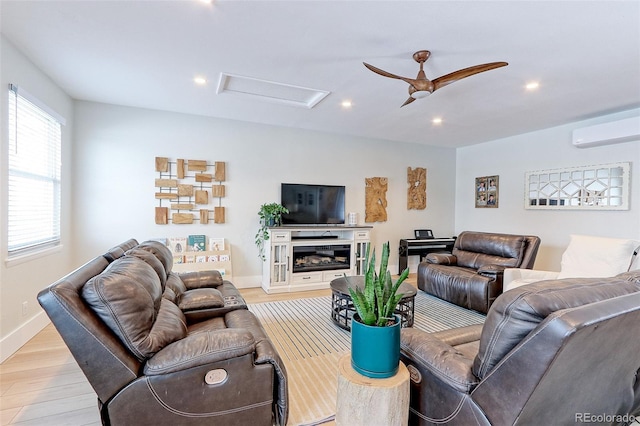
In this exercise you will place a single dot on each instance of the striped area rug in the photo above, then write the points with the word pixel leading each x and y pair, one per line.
pixel 310 345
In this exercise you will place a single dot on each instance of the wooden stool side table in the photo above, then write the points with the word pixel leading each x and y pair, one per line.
pixel 365 401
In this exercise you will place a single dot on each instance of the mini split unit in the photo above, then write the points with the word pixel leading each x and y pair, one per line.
pixel 626 130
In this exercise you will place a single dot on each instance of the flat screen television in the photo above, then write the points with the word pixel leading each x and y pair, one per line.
pixel 312 204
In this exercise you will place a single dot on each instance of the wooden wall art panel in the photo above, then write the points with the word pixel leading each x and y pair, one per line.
pixel 417 190
pixel 192 189
pixel 375 199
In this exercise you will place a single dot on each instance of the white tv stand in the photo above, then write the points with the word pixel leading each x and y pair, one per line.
pixel 309 258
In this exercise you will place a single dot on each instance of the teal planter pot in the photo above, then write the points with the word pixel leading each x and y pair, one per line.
pixel 375 351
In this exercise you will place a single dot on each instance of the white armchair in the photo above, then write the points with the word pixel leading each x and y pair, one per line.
pixel 585 257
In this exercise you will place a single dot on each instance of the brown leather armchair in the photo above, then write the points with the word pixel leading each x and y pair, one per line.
pixel 471 276
pixel 553 352
pixel 147 365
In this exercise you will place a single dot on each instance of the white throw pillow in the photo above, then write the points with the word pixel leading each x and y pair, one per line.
pixel 588 256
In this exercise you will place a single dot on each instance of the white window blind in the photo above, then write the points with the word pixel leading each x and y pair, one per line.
pixel 35 142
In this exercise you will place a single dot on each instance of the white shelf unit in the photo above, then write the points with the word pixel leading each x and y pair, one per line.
pixel 190 262
pixel 278 273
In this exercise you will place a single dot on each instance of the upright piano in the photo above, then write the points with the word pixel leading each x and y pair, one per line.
pixel 422 247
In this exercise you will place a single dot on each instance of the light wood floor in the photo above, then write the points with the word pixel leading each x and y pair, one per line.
pixel 41 384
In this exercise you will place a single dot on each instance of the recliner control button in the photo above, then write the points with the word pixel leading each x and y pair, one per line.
pixel 215 377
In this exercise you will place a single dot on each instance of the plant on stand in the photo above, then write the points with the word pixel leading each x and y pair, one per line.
pixel 375 329
pixel 270 214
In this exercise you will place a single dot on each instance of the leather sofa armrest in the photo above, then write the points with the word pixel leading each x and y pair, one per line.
pixel 460 335
pixel 439 359
pixel 491 270
pixel 441 258
pixel 200 298
pixel 200 349
pixel 200 279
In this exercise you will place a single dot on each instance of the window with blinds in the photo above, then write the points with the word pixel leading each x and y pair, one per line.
pixel 34 165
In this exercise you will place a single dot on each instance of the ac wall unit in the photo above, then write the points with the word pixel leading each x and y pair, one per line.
pixel 607 133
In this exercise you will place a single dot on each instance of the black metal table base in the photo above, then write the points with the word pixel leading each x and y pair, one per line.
pixel 342 310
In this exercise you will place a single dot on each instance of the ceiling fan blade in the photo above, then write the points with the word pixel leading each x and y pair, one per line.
pixel 388 74
pixel 408 101
pixel 464 73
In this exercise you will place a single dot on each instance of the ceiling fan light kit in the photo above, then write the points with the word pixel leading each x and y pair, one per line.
pixel 421 87
pixel 419 94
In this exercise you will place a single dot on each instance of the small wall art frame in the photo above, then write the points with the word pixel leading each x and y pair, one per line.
pixel 487 192
pixel 596 187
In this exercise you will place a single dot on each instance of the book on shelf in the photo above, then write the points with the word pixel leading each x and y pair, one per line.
pixel 178 244
pixel 197 242
pixel 216 244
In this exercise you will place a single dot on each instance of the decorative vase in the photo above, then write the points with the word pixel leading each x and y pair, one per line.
pixel 375 351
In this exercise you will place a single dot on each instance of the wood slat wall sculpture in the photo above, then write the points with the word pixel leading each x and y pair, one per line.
pixel 191 187
pixel 417 190
pixel 375 199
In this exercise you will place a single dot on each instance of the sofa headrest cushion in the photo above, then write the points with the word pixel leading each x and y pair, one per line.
pixel 175 283
pixel 519 311
pixel 152 260
pixel 127 296
pixel 162 252
pixel 477 249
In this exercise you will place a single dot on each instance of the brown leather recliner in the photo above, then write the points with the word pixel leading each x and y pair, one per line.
pixel 471 276
pixel 554 352
pixel 147 365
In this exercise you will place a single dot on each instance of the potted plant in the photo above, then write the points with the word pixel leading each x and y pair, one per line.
pixel 270 214
pixel 375 329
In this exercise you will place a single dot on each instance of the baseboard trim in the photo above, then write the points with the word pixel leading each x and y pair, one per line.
pixel 17 338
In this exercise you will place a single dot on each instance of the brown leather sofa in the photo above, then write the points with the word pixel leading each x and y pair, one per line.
pixel 199 295
pixel 555 353
pixel 471 275
pixel 147 363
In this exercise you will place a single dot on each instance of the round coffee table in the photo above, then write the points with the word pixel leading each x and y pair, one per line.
pixel 342 308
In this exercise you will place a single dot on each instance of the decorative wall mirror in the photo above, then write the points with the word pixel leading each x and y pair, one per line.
pixel 599 187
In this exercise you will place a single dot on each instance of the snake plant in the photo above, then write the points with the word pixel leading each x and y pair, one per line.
pixel 376 304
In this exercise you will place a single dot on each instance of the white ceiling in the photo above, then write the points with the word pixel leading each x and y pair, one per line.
pixel 586 56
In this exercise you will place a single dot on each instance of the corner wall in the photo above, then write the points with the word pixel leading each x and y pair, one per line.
pixel 511 158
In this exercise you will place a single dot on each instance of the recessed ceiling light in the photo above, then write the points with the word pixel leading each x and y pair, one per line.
pixel 346 104
pixel 532 85
pixel 200 81
pixel 437 120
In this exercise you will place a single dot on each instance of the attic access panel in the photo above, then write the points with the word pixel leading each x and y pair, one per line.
pixel 270 91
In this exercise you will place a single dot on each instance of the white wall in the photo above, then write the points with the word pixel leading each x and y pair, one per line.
pixel 551 148
pixel 114 178
pixel 21 282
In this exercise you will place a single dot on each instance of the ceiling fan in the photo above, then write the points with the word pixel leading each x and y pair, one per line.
pixel 421 86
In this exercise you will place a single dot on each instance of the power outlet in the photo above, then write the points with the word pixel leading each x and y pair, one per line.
pixel 25 308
